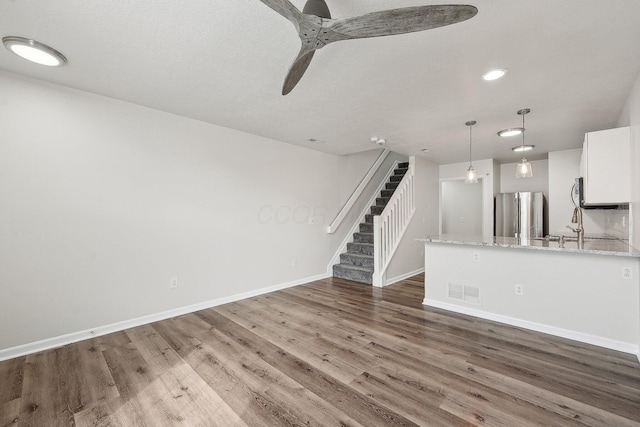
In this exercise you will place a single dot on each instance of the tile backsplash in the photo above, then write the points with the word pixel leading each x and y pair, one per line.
pixel 617 223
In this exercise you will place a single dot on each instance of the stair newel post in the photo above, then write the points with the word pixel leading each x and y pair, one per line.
pixel 377 252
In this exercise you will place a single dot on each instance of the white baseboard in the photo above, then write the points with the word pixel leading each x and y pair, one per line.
pixel 552 330
pixel 403 276
pixel 46 344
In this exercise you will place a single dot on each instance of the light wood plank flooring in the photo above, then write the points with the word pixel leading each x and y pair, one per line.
pixel 328 353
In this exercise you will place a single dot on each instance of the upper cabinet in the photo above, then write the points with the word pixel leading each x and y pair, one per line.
pixel 606 167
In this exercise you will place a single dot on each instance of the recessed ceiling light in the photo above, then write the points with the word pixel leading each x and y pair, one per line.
pixel 494 74
pixel 510 132
pixel 521 148
pixel 425 150
pixel 34 51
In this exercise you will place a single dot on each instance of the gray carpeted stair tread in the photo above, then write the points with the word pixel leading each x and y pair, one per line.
pixel 400 171
pixel 358 260
pixel 366 228
pixel 360 248
pixel 377 210
pixel 363 237
pixel 356 267
pixel 382 201
pixel 350 272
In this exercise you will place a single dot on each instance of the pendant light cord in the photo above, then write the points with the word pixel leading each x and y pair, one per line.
pixel 470 123
pixel 523 131
pixel 523 113
pixel 470 144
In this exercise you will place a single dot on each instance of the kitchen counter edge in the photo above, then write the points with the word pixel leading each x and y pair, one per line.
pixel 611 247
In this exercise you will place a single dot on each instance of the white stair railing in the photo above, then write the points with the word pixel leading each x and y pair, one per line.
pixel 390 225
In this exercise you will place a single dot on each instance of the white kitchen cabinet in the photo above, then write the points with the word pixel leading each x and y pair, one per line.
pixel 606 166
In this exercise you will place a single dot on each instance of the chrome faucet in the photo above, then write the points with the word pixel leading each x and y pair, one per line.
pixel 577 219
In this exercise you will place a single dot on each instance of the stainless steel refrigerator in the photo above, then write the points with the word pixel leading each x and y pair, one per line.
pixel 520 215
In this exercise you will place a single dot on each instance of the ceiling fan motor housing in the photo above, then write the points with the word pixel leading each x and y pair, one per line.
pixel 317 8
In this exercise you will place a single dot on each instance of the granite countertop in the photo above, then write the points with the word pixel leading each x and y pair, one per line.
pixel 598 246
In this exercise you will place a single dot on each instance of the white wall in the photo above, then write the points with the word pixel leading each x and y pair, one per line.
pixel 409 257
pixel 564 168
pixel 461 208
pixel 354 168
pixel 631 117
pixel 102 202
pixel 485 169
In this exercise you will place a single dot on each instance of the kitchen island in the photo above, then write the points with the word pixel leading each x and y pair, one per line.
pixel 590 294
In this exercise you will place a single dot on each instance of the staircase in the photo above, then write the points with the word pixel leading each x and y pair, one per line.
pixel 357 263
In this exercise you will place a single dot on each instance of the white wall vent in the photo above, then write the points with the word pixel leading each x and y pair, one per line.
pixel 469 294
pixel 456 291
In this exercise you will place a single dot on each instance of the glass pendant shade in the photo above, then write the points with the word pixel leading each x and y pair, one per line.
pixel 524 169
pixel 471 177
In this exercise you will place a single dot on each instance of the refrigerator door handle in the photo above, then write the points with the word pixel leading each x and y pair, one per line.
pixel 517 226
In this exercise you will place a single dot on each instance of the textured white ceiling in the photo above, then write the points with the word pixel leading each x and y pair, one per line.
pixel 573 62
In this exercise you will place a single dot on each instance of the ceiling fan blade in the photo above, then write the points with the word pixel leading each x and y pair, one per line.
pixel 401 21
pixel 297 69
pixel 286 9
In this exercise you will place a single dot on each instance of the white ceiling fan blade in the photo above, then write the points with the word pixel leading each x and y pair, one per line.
pixel 400 21
pixel 297 69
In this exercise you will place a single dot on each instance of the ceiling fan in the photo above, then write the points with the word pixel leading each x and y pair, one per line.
pixel 316 28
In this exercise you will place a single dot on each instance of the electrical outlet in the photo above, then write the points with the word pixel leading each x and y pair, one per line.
pixel 173 283
pixel 312 220
pixel 476 257
pixel 294 262
pixel 627 273
pixel 519 289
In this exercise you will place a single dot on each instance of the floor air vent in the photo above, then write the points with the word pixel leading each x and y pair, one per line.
pixel 469 294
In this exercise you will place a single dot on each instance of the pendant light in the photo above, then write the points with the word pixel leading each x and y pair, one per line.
pixel 471 177
pixel 523 169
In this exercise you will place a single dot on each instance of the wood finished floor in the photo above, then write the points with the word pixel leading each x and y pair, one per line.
pixel 328 353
